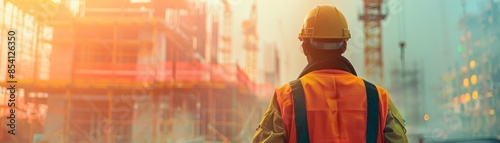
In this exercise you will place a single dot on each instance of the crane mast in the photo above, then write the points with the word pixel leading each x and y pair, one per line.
pixel 372 18
pixel 226 33
pixel 250 31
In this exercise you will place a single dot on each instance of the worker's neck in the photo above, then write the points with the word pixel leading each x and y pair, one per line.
pixel 312 59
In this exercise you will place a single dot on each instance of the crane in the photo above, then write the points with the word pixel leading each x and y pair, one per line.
pixel 372 18
pixel 226 33
pixel 250 31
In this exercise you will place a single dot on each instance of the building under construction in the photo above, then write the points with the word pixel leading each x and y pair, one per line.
pixel 125 71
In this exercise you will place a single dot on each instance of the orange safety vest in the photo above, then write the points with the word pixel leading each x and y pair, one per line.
pixel 331 105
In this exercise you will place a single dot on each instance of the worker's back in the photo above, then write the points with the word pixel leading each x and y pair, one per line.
pixel 329 103
pixel 336 107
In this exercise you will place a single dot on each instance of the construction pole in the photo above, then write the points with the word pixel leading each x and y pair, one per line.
pixel 198 122
pixel 31 121
pixel 109 126
pixel 211 109
pixel 403 76
pixel 235 112
pixel 67 116
pixel 155 115
pixel 402 44
pixel 170 110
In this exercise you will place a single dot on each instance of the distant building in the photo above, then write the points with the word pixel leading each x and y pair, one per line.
pixel 470 99
pixel 270 73
pixel 409 97
pixel 271 64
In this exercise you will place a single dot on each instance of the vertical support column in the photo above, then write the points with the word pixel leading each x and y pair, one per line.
pixel 210 111
pixel 403 78
pixel 203 112
pixel 184 111
pixel 110 117
pixel 29 119
pixel 199 114
pixel 161 107
pixel 235 113
pixel 170 111
pixel 67 116
pixel 155 116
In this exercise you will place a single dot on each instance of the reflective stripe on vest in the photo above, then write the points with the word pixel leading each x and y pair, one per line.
pixel 372 114
pixel 299 107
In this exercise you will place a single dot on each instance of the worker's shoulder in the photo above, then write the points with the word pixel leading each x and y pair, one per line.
pixel 287 87
pixel 380 89
pixel 284 88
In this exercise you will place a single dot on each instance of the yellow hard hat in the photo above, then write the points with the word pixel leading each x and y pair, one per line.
pixel 325 22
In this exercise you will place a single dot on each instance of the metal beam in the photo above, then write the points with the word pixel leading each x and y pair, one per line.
pixel 372 18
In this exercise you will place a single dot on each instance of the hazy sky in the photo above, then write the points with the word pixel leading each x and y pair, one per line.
pixel 432 33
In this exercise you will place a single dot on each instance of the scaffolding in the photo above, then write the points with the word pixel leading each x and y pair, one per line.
pixel 124 74
pixel 227 52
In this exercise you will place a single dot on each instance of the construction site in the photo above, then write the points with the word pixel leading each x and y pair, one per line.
pixel 118 73
pixel 182 71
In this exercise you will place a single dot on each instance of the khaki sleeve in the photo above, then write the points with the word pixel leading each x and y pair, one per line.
pixel 271 128
pixel 394 131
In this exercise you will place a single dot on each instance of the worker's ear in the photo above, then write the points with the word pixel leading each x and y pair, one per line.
pixel 307 54
pixel 303 48
pixel 305 51
pixel 344 47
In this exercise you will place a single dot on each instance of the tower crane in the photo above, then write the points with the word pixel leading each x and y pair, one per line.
pixel 226 33
pixel 250 31
pixel 372 18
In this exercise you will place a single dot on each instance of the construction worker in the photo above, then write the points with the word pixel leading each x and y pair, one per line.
pixel 328 103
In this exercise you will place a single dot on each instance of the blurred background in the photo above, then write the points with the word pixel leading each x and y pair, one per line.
pixel 92 71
